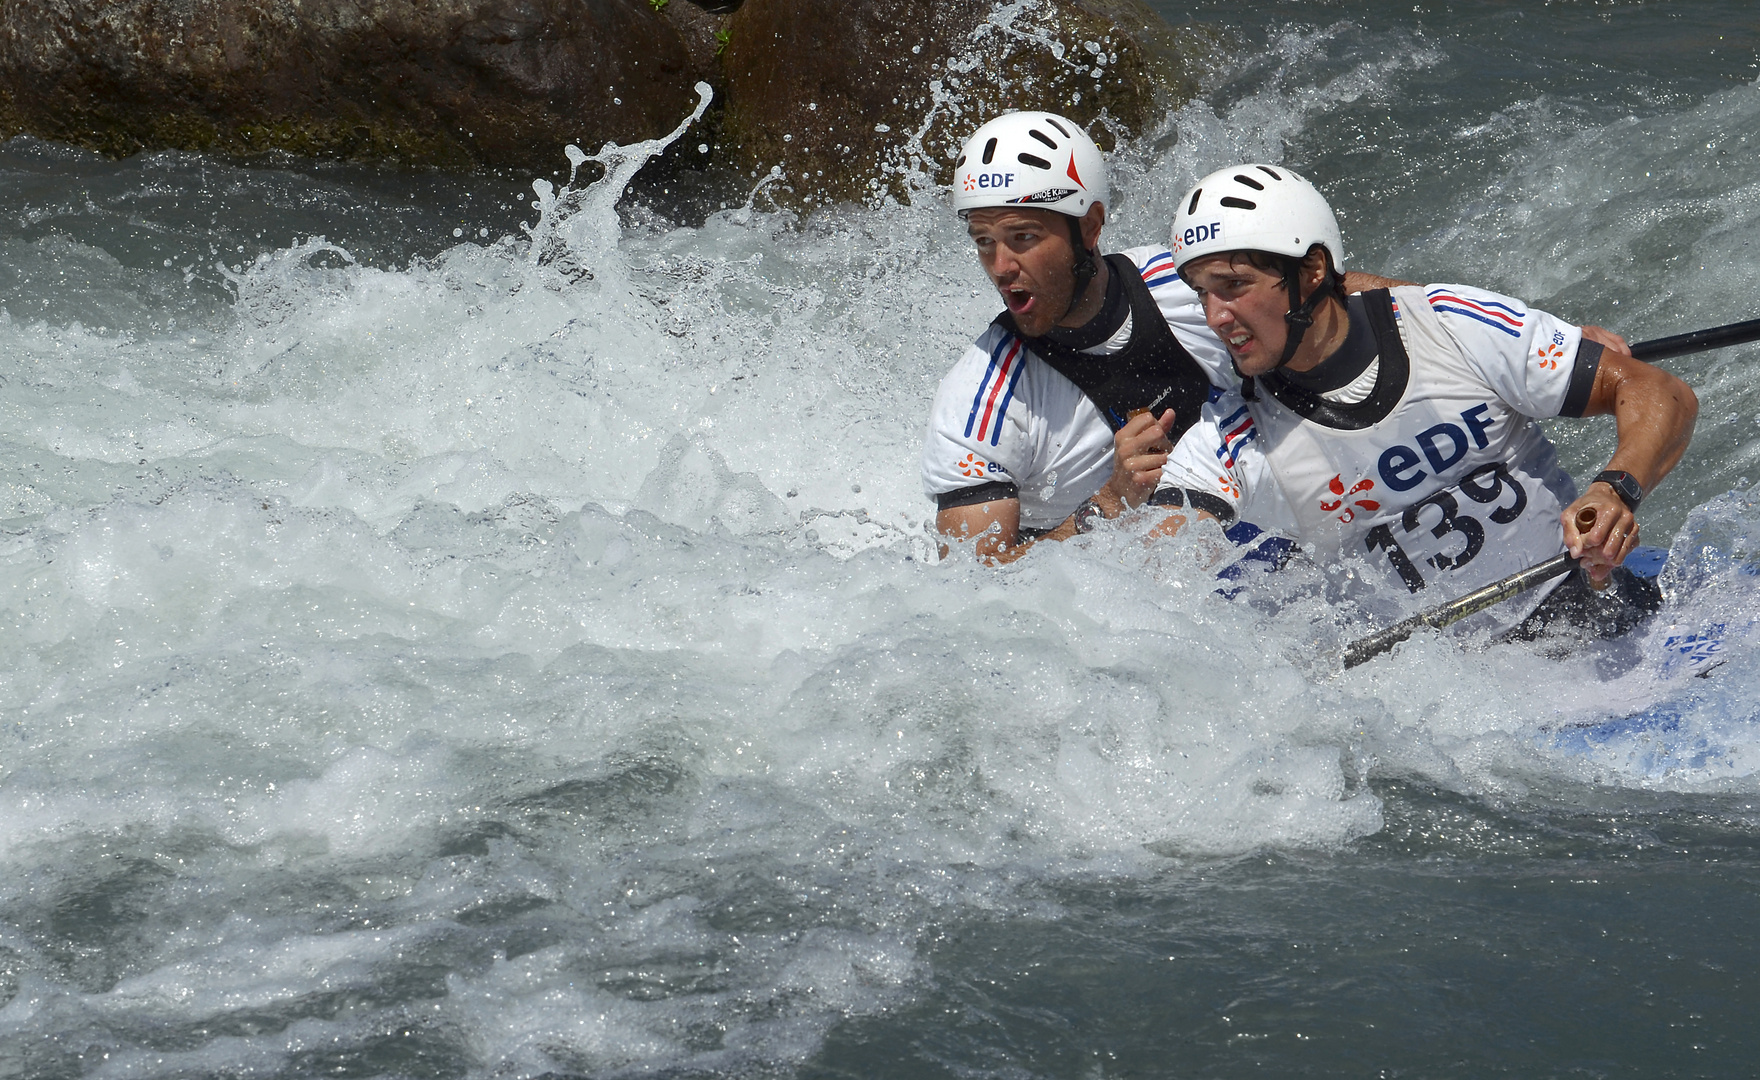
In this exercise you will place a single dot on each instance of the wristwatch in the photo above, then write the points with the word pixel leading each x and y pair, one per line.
pixel 1625 485
pixel 1086 515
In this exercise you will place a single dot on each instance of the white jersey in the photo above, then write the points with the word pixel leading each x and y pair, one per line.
pixel 1005 415
pixel 1456 486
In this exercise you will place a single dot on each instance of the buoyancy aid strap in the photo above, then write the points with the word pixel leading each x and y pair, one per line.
pixel 1390 378
pixel 1176 498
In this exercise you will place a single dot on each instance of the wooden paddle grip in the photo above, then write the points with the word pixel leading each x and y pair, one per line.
pixel 1586 521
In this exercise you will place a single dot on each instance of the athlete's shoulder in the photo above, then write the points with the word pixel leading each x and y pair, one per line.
pixel 1155 263
pixel 983 385
pixel 1458 304
pixel 1218 452
pixel 1233 424
pixel 1225 426
pixel 995 347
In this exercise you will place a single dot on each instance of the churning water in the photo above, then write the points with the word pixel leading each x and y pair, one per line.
pixel 451 630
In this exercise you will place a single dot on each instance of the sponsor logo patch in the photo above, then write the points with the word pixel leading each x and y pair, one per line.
pixel 985 181
pixel 1402 467
pixel 1048 196
pixel 1196 234
pixel 973 465
pixel 1552 352
pixel 1336 486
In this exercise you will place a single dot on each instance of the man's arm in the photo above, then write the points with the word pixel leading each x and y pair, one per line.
pixel 1654 412
pixel 1355 282
pixel 996 524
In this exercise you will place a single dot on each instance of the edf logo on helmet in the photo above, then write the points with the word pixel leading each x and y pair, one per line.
pixel 976 181
pixel 1196 234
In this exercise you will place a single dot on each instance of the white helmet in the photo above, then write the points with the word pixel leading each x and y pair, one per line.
pixel 1030 159
pixel 1254 208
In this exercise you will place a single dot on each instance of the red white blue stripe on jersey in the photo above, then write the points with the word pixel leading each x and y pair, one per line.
pixel 1159 270
pixel 1237 431
pixel 1493 314
pixel 990 404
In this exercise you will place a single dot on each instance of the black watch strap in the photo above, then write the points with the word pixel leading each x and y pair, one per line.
pixel 1625 485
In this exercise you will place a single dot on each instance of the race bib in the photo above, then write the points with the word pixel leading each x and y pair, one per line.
pixel 1445 533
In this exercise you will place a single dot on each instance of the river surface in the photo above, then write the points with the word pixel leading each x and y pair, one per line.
pixel 454 629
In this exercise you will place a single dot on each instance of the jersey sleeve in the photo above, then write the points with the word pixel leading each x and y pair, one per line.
pixel 1536 362
pixel 1184 314
pixel 1208 456
pixel 1219 465
pixel 971 441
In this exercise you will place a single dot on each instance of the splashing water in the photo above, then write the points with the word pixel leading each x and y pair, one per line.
pixel 529 655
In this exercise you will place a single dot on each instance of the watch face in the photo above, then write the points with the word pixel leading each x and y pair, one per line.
pixel 1624 485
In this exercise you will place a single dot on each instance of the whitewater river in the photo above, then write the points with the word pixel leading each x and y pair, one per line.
pixel 452 630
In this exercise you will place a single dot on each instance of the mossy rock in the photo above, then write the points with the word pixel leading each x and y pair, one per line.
pixel 863 102
pixel 451 84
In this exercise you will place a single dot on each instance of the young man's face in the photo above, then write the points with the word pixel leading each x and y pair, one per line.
pixel 1244 306
pixel 1030 259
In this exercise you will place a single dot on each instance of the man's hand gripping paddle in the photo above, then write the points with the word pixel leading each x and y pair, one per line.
pixel 1365 649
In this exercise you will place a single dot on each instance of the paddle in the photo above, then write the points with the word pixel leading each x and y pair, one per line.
pixel 1365 649
pixel 1698 341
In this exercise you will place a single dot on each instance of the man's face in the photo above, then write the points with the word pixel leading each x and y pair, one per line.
pixel 1028 255
pixel 1244 306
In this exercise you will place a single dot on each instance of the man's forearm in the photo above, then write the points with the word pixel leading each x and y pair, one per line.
pixel 994 527
pixel 1356 281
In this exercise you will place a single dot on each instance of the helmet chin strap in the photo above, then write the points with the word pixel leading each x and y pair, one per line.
pixel 1301 312
pixel 1084 269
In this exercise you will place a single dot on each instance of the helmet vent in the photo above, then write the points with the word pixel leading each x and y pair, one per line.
pixel 961 161
pixel 989 151
pixel 1192 208
pixel 1044 138
pixel 1239 204
pixel 1036 162
pixel 1054 124
pixel 1250 182
pixel 1269 172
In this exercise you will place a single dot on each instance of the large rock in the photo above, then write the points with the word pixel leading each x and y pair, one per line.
pixel 865 101
pixel 450 83
pixel 862 100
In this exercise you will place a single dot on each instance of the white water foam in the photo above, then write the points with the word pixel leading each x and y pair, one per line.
pixel 540 647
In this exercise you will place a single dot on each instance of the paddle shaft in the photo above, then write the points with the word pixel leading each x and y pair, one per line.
pixel 1698 341
pixel 1365 649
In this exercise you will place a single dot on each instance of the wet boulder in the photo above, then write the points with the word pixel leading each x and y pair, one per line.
pixel 450 83
pixel 857 101
pixel 868 101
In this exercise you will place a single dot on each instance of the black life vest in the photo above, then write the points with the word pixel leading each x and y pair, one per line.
pixel 1390 379
pixel 1153 369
